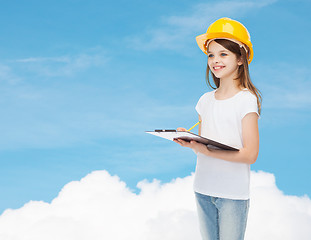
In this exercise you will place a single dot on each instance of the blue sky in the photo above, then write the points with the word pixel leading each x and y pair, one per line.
pixel 80 82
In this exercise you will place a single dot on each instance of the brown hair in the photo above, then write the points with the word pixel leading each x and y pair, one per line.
pixel 243 71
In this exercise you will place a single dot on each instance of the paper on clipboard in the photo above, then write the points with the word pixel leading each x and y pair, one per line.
pixel 188 136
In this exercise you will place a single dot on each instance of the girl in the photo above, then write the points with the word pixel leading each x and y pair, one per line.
pixel 229 115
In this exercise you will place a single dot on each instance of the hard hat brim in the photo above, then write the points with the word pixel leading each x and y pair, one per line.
pixel 201 41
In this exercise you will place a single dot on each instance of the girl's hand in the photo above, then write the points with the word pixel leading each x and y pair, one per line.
pixel 181 129
pixel 195 146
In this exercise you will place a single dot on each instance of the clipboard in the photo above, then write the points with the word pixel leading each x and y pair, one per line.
pixel 188 136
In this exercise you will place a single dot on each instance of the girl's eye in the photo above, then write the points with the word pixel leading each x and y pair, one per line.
pixel 223 54
pixel 210 55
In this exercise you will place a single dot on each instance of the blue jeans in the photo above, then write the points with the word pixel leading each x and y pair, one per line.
pixel 221 218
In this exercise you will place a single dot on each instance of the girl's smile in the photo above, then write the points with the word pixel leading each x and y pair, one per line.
pixel 216 68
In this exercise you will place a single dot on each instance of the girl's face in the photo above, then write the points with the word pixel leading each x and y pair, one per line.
pixel 223 63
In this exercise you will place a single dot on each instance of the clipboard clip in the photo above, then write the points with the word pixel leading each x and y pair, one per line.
pixel 165 130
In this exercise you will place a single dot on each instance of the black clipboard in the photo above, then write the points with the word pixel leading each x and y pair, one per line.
pixel 188 136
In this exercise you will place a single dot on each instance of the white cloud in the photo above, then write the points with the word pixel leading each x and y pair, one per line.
pixel 6 75
pixel 64 59
pixel 274 215
pixel 100 206
pixel 67 65
pixel 175 32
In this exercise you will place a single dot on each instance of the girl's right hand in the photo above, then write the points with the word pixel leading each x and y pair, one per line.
pixel 182 129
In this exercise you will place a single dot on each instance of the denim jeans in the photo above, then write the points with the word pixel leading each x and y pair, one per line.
pixel 221 218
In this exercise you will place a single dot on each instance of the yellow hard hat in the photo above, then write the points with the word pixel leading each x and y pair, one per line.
pixel 226 28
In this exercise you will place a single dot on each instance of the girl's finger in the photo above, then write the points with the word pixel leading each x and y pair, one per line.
pixel 177 141
pixel 185 143
pixel 181 142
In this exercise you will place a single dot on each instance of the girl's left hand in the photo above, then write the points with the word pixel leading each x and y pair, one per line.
pixel 195 146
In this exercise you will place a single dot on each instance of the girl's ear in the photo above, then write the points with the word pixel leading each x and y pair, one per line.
pixel 240 61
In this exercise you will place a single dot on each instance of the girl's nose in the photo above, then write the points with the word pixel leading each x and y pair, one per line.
pixel 215 60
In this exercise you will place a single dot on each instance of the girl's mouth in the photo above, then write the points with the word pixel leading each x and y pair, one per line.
pixel 218 67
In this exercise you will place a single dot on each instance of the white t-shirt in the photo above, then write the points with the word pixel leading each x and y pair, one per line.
pixel 222 122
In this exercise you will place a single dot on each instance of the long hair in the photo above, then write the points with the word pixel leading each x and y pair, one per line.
pixel 243 72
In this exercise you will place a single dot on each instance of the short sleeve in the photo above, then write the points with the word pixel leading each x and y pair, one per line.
pixel 199 106
pixel 248 105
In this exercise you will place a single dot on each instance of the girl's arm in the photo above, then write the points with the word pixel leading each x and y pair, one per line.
pixel 200 119
pixel 248 154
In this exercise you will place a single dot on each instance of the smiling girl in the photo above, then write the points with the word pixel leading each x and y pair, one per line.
pixel 228 114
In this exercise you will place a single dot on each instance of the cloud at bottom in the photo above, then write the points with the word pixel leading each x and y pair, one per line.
pixel 101 206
